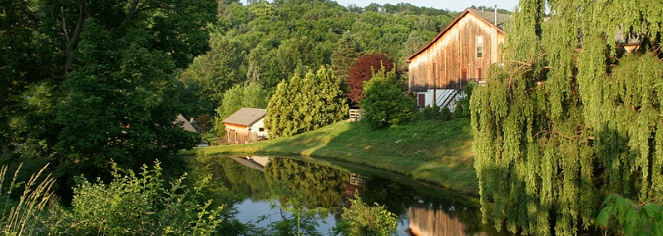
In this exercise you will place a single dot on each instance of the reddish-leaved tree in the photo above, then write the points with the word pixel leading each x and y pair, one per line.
pixel 362 70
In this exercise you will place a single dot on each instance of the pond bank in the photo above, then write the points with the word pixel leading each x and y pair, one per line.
pixel 437 152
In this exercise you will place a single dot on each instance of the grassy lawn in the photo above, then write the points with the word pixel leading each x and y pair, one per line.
pixel 437 152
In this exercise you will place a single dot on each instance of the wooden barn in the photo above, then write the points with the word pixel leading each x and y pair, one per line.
pixel 462 52
pixel 246 126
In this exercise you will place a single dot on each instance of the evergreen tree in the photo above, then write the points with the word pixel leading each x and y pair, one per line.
pixel 344 56
pixel 277 110
pixel 305 104
pixel 570 117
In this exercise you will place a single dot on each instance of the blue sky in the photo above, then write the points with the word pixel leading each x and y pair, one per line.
pixel 454 5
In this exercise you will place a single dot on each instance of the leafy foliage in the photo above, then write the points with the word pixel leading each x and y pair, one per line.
pixel 386 104
pixel 361 71
pixel 81 72
pixel 147 66
pixel 346 55
pixel 305 104
pixel 558 128
pixel 361 219
pixel 435 113
pixel 136 205
pixel 463 105
pixel 127 114
pixel 211 74
pixel 632 219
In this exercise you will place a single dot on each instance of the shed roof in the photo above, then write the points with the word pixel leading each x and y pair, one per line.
pixel 184 123
pixel 246 116
pixel 487 17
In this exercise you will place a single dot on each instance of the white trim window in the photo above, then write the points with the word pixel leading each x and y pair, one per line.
pixel 479 46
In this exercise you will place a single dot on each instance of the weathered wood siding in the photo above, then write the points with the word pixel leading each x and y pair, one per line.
pixel 439 65
pixel 240 134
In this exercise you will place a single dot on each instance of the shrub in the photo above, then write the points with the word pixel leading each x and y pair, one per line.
pixel 360 219
pixel 430 113
pixel 135 205
pixel 435 113
pixel 445 114
pixel 463 105
pixel 385 103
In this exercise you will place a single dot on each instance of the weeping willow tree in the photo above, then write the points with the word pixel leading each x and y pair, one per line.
pixel 571 116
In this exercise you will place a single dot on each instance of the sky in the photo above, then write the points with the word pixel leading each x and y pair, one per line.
pixel 454 5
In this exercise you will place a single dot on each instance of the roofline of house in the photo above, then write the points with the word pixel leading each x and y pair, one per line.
pixel 439 35
pixel 247 125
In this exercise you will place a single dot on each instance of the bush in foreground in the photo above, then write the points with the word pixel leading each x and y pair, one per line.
pixel 129 205
pixel 136 205
pixel 361 219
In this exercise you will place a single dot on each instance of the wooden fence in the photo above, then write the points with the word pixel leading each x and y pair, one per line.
pixel 356 114
pixel 240 137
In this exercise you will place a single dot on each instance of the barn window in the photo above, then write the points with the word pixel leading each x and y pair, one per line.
pixel 479 46
pixel 261 129
pixel 479 39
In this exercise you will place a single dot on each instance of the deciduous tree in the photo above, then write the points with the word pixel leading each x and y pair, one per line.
pixel 570 117
pixel 362 70
pixel 119 97
pixel 386 103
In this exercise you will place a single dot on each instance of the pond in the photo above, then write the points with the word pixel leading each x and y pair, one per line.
pixel 264 194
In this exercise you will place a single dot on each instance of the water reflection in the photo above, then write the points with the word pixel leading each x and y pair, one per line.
pixel 281 195
pixel 428 220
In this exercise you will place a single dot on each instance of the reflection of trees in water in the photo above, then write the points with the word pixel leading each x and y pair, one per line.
pixel 430 207
pixel 395 196
pixel 310 191
pixel 313 185
pixel 231 181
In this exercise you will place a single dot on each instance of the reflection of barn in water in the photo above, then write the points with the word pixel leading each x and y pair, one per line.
pixel 253 162
pixel 427 220
pixel 354 184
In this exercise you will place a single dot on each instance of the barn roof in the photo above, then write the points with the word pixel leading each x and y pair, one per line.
pixel 487 17
pixel 184 123
pixel 246 116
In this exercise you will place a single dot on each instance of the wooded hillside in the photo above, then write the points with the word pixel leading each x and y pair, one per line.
pixel 266 41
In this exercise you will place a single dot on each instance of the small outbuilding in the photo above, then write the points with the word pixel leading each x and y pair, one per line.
pixel 185 124
pixel 246 126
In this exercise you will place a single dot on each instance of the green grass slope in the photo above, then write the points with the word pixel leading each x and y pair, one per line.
pixel 438 152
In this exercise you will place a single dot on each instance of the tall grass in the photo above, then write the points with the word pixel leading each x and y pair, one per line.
pixel 131 204
pixel 22 217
